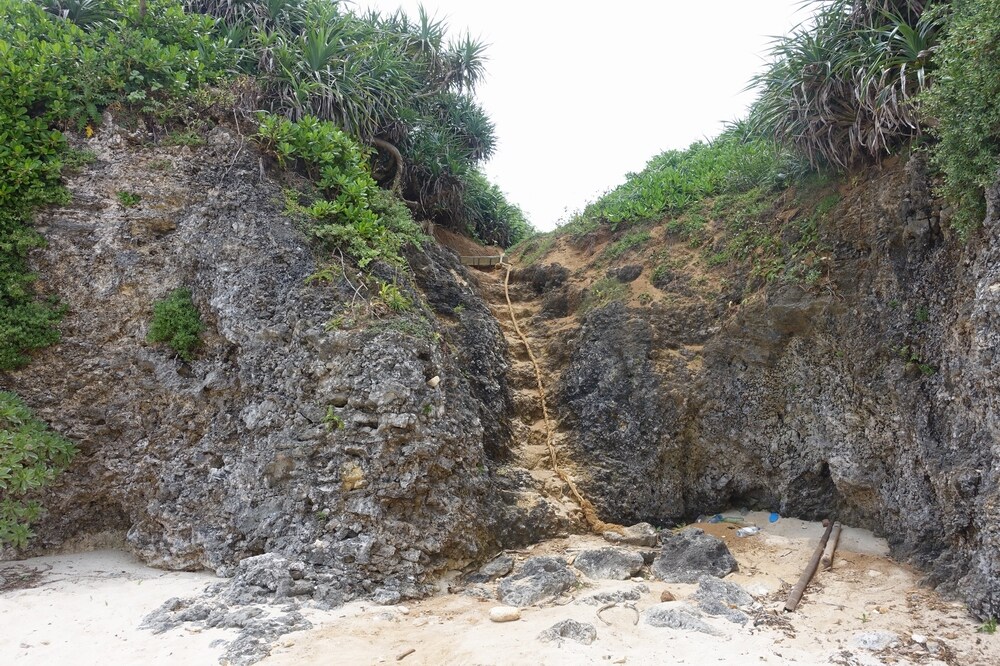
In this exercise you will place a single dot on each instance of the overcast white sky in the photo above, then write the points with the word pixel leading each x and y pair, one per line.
pixel 584 92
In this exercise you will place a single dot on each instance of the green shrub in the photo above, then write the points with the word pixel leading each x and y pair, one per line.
pixel 353 213
pixel 674 181
pixel 55 72
pixel 840 89
pixel 128 199
pixel 31 456
pixel 176 322
pixel 963 100
pixel 489 216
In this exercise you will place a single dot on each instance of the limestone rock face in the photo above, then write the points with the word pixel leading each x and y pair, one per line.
pixel 871 399
pixel 287 434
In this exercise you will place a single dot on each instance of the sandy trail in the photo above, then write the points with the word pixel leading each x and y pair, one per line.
pixel 86 609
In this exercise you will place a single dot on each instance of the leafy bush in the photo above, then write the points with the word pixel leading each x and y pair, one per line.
pixel 353 213
pixel 963 101
pixel 489 216
pixel 176 321
pixel 31 456
pixel 54 73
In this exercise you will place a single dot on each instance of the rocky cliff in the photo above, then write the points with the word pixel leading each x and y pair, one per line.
pixel 871 396
pixel 366 451
pixel 380 453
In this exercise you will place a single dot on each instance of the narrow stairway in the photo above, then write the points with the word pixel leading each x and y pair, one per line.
pixel 538 438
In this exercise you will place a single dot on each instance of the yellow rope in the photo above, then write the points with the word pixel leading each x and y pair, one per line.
pixel 589 512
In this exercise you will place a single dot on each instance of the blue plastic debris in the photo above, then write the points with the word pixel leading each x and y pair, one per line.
pixel 773 517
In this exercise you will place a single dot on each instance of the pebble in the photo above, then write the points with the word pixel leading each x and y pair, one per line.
pixel 505 614
pixel 919 638
pixel 667 595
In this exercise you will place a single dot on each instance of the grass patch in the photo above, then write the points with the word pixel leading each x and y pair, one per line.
pixel 602 292
pixel 627 243
pixel 674 181
pixel 535 247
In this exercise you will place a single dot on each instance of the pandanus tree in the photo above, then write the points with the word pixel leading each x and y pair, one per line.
pixel 842 88
pixel 396 82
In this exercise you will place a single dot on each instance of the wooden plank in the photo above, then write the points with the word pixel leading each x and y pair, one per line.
pixel 490 260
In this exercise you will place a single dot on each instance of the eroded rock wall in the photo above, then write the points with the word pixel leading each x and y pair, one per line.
pixel 363 452
pixel 874 399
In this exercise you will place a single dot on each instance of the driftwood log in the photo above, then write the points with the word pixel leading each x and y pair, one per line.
pixel 831 547
pixel 796 594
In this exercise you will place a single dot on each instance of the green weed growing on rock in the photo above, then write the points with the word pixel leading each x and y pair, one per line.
pixel 31 456
pixel 352 213
pixel 176 322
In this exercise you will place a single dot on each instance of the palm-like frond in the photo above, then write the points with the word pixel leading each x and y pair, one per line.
pixel 840 90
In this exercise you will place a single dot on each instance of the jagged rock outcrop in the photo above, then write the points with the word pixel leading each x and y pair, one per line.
pixel 364 452
pixel 872 399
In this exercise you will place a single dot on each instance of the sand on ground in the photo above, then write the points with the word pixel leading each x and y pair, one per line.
pixel 86 608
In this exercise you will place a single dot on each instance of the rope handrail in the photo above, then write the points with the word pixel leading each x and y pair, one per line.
pixel 589 512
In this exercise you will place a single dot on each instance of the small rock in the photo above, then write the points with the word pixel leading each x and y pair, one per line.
pixel 608 563
pixel 537 579
pixel 719 597
pixel 384 597
pixel 875 640
pixel 690 554
pixel 505 614
pixel 626 273
pixel 433 381
pixel 667 595
pixel 500 565
pixel 581 632
pixel 640 534
pixel 617 596
pixel 919 638
pixel 676 616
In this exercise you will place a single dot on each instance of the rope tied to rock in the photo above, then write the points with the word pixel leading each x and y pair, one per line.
pixel 589 512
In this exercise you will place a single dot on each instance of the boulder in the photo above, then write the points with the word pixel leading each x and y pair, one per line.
pixel 581 632
pixel 690 554
pixel 608 563
pixel 537 579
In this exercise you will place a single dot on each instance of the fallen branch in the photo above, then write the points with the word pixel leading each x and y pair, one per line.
pixel 800 587
pixel 831 547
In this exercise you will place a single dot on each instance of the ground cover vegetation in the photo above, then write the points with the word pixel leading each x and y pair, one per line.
pixel 31 456
pixel 858 81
